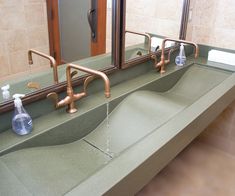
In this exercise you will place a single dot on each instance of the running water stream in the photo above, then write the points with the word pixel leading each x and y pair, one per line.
pixel 107 114
pixel 108 139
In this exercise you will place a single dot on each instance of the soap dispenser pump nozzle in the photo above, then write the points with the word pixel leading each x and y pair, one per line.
pixel 5 92
pixel 17 100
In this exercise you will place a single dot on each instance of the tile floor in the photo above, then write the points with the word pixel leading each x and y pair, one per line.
pixel 205 168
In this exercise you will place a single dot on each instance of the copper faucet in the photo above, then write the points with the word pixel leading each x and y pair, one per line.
pixel 163 62
pixel 153 55
pixel 145 35
pixel 50 58
pixel 71 97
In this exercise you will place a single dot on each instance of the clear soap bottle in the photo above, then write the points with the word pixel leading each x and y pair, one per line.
pixel 180 60
pixel 21 121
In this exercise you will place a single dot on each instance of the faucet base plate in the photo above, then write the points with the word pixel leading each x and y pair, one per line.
pixel 72 110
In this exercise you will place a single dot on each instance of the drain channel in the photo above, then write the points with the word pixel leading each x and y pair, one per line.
pixel 110 156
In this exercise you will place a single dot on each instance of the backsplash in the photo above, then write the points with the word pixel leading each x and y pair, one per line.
pixel 23 25
pixel 212 23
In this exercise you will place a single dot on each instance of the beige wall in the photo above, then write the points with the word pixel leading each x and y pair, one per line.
pixel 162 17
pixel 23 25
pixel 213 23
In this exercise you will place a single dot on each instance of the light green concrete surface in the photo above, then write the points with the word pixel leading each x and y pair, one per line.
pixel 142 126
pixel 50 170
pixel 138 164
pixel 144 111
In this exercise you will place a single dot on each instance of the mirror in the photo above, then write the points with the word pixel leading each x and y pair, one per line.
pixel 62 28
pixel 150 19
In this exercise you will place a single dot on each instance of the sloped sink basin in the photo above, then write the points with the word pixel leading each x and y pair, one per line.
pixel 144 111
pixel 49 170
pixel 81 164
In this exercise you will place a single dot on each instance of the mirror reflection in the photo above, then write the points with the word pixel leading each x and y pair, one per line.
pixel 159 19
pixel 25 25
pixel 84 37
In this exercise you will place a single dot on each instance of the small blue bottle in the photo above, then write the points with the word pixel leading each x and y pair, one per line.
pixel 21 121
pixel 180 60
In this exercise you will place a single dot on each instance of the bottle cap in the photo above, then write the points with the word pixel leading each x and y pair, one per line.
pixel 17 100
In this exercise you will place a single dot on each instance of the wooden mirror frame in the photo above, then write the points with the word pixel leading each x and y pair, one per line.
pixel 147 57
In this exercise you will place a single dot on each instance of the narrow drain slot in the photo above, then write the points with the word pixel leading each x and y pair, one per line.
pixel 110 156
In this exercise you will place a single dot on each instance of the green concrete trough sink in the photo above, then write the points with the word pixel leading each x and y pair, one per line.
pixel 151 119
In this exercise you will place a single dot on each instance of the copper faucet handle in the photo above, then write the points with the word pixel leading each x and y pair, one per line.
pixel 33 85
pixel 153 55
pixel 87 81
pixel 54 96
pixel 73 73
pixel 139 53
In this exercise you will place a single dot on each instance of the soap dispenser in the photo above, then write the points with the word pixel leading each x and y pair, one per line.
pixel 21 121
pixel 180 60
pixel 5 92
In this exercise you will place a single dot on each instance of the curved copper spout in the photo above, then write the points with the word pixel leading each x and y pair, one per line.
pixel 90 71
pixel 71 97
pixel 162 63
pixel 50 58
pixel 145 35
